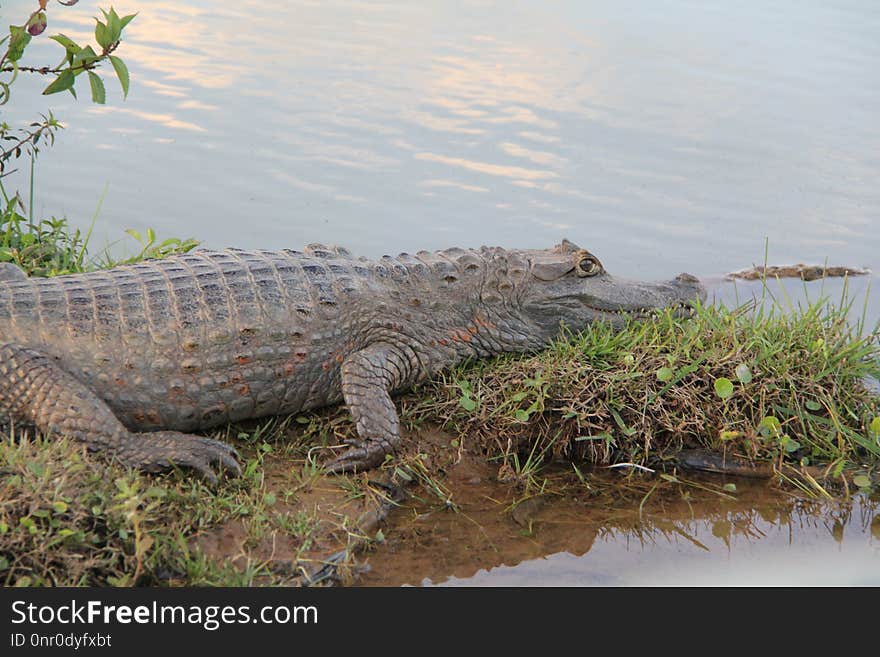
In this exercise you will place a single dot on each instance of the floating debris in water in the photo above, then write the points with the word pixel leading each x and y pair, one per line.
pixel 804 272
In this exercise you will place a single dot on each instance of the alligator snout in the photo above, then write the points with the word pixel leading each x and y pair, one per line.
pixel 692 285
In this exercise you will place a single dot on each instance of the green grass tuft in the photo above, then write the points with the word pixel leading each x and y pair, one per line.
pixel 765 385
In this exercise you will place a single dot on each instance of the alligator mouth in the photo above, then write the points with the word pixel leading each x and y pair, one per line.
pixel 679 309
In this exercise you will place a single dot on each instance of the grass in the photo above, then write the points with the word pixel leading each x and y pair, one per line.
pixel 774 383
pixel 68 519
pixel 765 384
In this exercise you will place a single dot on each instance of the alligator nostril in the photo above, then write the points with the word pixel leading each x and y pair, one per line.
pixel 687 278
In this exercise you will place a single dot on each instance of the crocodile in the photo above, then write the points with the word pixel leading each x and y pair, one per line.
pixel 131 360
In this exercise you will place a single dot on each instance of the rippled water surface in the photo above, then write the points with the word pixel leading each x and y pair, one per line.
pixel 664 136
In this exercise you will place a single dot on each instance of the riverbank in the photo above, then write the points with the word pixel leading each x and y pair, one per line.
pixel 781 390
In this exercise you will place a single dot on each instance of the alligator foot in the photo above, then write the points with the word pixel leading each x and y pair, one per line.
pixel 161 450
pixel 367 377
pixel 365 456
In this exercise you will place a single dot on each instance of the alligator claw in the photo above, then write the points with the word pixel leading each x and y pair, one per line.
pixel 361 458
pixel 181 450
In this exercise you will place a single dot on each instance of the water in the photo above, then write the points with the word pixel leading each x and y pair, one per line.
pixel 678 535
pixel 664 136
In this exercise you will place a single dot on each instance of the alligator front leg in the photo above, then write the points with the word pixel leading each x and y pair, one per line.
pixel 34 390
pixel 368 377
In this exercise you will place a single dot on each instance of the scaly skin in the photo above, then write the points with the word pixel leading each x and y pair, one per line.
pixel 127 360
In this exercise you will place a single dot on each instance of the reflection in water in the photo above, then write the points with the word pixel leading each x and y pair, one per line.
pixel 487 168
pixel 679 536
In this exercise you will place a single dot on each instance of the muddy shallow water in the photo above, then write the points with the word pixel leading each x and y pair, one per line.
pixel 681 534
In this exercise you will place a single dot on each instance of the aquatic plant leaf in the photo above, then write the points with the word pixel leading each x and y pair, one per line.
pixel 862 481
pixel 664 374
pixel 723 387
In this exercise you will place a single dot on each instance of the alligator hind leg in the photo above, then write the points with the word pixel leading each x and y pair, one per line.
pixel 34 390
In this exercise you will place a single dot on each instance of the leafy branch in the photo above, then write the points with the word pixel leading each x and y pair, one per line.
pixel 30 138
pixel 77 59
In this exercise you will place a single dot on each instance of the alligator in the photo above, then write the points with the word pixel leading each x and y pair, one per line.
pixel 131 360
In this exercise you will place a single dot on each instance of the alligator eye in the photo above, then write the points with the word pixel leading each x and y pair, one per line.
pixel 588 266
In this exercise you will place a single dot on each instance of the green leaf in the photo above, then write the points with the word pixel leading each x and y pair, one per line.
pixel 69 44
pixel 85 56
pixel 813 405
pixel 723 387
pixel 102 35
pixel 99 95
pixel 730 488
pixel 125 20
pixel 403 474
pixel 770 426
pixel 664 374
pixel 467 403
pixel 59 507
pixel 19 38
pixel 743 373
pixel 114 24
pixel 790 444
pixel 875 427
pixel 521 415
pixel 121 72
pixel 862 481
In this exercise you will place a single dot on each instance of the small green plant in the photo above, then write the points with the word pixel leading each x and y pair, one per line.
pixel 52 247
pixel 466 401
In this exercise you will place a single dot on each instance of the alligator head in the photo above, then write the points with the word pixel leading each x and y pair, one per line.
pixel 568 284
